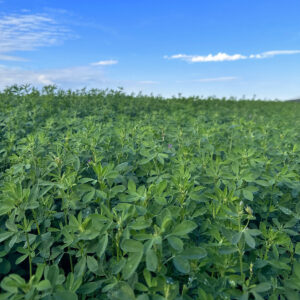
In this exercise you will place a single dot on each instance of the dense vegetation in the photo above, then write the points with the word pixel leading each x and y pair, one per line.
pixel 111 196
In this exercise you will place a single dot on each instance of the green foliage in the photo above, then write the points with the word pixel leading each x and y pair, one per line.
pixel 111 196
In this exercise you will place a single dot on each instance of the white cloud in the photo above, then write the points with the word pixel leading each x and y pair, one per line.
pixel 198 58
pixel 42 78
pixel 216 79
pixel 105 62
pixel 27 32
pixel 226 57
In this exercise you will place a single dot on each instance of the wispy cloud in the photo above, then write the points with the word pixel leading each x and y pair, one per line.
pixel 216 79
pixel 73 77
pixel 226 57
pixel 148 82
pixel 105 62
pixel 27 32
pixel 11 58
pixel 274 53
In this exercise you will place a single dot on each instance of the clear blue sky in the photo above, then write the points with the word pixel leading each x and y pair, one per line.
pixel 223 48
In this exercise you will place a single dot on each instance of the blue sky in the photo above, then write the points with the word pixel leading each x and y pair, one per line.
pixel 223 48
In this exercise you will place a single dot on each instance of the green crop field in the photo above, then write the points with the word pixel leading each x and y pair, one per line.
pixel 105 195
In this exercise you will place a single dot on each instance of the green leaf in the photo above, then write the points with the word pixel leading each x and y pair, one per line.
pixel 257 296
pixel 122 292
pixel 146 160
pixel 132 263
pixel 43 285
pixel 291 295
pixel 89 196
pixel 90 287
pixel 5 235
pixel 12 241
pixel 5 266
pixel 51 273
pixel 102 245
pixel 39 271
pixel 5 208
pixel 117 267
pixel 184 228
pixel 262 287
pixel 235 168
pixel 17 279
pixel 158 297
pixel 140 224
pixel 92 264
pixel 194 253
pixel 147 277
pixel 181 264
pixel 160 158
pixel 248 195
pixel 297 248
pixel 245 296
pixel 262 183
pixel 254 232
pixel 143 297
pixel 292 283
pixel 65 295
pixel 236 238
pixel 76 163
pixel 73 222
pixel 109 287
pixel 21 258
pixel 85 180
pixel 275 251
pixel 117 189
pixel 296 269
pixel 175 242
pixel 8 284
pixel 141 190
pixel 131 198
pixel 131 186
pixel 79 268
pixel 252 188
pixel 161 187
pixel 277 264
pixel 228 249
pixel 165 224
pixel 151 260
pixel 131 246
pixel 122 167
pixel 160 200
pixel 249 239
pixel 101 194
pixel 285 210
pixel 140 287
pixel 32 205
